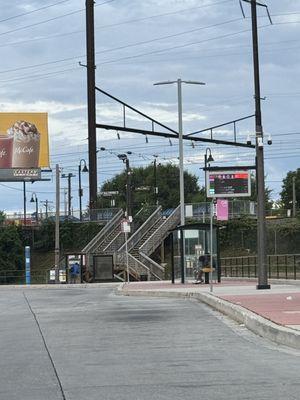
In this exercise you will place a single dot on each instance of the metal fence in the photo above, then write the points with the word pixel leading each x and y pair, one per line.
pixel 281 266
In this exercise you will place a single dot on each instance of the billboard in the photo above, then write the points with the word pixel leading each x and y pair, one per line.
pixel 24 140
pixel 228 183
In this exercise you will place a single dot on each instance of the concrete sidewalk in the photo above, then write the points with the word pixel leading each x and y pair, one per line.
pixel 273 314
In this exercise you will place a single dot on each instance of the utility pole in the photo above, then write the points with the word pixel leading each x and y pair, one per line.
pixel 69 176
pixel 260 173
pixel 57 225
pixel 46 204
pixel 294 196
pixel 91 96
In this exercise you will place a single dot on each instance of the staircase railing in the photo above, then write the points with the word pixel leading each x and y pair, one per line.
pixel 101 235
pixel 134 264
pixel 136 237
pixel 156 270
pixel 161 233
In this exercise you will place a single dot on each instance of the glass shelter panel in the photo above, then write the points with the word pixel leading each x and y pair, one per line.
pixel 196 242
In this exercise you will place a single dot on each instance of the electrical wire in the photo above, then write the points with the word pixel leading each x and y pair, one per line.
pixel 34 11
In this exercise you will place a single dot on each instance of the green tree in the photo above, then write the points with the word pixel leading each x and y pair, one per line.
pixel 143 187
pixel 11 254
pixel 268 192
pixel 2 217
pixel 287 188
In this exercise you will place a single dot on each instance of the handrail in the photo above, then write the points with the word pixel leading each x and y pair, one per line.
pixel 103 232
pixel 140 232
pixel 164 227
pixel 112 242
pixel 153 265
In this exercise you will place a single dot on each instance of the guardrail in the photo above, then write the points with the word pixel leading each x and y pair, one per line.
pixel 280 266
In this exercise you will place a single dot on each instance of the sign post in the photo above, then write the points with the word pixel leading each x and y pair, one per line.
pixel 125 228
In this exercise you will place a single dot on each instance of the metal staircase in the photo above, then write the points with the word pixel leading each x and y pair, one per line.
pixel 145 241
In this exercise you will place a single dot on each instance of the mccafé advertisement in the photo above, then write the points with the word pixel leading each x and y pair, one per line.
pixel 24 140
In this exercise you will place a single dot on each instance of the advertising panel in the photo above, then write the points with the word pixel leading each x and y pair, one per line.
pixel 228 183
pixel 24 140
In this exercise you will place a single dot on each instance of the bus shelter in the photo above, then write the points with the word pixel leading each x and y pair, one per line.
pixel 188 243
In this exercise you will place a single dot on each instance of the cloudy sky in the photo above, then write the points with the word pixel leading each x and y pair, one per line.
pixel 137 44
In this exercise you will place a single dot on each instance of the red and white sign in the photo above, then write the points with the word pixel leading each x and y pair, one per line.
pixel 125 226
pixel 222 210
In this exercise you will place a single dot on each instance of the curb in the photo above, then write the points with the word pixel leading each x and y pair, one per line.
pixel 255 323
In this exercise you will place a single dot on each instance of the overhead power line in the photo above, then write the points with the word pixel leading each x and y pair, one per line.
pixel 50 19
pixel 33 11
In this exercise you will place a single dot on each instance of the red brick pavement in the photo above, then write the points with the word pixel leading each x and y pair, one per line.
pixel 284 309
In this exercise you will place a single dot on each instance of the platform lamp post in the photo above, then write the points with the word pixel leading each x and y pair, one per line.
pixel 208 158
pixel 80 190
pixel 125 160
pixel 34 199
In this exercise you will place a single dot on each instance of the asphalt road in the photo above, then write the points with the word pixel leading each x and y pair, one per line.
pixel 86 344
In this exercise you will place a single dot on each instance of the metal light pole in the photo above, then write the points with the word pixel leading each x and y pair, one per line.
pixel 125 160
pixel 180 133
pixel 80 191
pixel 34 199
pixel 207 160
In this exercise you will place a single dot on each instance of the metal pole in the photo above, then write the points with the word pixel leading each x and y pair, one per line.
pixel 36 208
pixel 69 194
pixel 172 259
pixel 211 245
pixel 80 192
pixel 181 171
pixel 155 183
pixel 127 258
pixel 128 189
pixel 92 137
pixel 57 226
pixel 294 196
pixel 24 201
pixel 182 256
pixel 261 212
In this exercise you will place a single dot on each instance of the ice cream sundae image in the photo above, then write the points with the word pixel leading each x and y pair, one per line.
pixel 26 145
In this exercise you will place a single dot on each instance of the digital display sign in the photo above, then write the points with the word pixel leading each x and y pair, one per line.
pixel 228 183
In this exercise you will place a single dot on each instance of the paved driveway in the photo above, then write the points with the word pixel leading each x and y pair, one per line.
pixel 86 344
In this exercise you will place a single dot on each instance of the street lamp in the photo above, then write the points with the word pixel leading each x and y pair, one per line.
pixel 34 199
pixel 80 190
pixel 180 133
pixel 207 160
pixel 125 160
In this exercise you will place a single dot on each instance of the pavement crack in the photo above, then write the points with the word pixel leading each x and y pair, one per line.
pixel 46 347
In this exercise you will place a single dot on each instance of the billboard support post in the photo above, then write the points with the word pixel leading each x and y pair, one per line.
pixel 57 225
